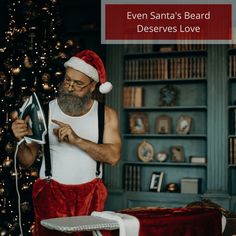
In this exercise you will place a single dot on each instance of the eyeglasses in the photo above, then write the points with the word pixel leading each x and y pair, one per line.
pixel 76 83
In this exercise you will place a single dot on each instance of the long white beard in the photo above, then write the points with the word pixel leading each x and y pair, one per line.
pixel 72 104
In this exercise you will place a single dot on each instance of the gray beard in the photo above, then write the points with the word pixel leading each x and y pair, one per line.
pixel 72 104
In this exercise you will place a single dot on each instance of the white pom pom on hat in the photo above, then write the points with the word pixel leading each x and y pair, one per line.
pixel 89 63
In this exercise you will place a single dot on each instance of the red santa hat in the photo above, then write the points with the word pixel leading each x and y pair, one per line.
pixel 89 63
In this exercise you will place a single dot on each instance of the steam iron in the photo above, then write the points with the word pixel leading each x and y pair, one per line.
pixel 37 122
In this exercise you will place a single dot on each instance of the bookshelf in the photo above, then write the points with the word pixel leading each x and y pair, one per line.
pixel 232 117
pixel 206 98
pixel 145 74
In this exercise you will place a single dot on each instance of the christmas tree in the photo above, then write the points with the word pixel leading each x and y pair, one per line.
pixel 32 55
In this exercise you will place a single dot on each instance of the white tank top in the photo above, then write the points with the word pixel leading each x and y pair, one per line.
pixel 71 165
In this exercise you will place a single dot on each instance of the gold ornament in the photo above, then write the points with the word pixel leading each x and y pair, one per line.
pixel 25 187
pixel 25 206
pixel 3 211
pixel 13 174
pixel 1 133
pixel 31 229
pixel 7 162
pixel 61 55
pixel 3 232
pixel 46 86
pixel 29 2
pixel 58 45
pixel 3 191
pixel 8 63
pixel 23 29
pixel 9 148
pixel 3 49
pixel 27 62
pixel 69 43
pixel 58 74
pixel 9 93
pixel 46 77
pixel 2 78
pixel 34 173
pixel 15 70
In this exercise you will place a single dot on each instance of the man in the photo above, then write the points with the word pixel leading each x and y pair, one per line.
pixel 75 187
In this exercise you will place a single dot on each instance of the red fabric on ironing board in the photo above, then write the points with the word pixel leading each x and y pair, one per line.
pixel 176 222
pixel 52 199
pixel 179 222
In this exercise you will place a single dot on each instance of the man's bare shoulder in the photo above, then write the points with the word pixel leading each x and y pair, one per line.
pixel 110 114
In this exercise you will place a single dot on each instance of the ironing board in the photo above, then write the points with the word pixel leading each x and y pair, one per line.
pixel 79 223
pixel 176 221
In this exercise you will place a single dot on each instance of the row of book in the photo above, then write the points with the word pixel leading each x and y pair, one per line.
pixel 165 68
pixel 232 150
pixel 139 48
pixel 191 47
pixel 232 66
pixel 232 46
pixel 232 121
pixel 132 180
pixel 133 97
pixel 147 48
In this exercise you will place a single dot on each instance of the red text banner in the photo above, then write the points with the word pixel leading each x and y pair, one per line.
pixel 168 22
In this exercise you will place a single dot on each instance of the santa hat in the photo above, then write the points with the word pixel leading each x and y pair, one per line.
pixel 89 63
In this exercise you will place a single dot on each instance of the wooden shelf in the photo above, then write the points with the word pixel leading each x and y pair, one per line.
pixel 175 136
pixel 174 164
pixel 169 108
pixel 191 53
pixel 156 81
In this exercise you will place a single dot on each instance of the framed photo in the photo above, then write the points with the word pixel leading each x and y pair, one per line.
pixel 138 123
pixel 183 124
pixel 163 124
pixel 161 156
pixel 145 151
pixel 177 154
pixel 168 95
pixel 156 181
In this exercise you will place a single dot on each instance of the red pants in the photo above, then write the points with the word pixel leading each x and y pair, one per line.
pixel 52 199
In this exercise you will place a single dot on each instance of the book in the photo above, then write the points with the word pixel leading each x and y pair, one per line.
pixel 198 159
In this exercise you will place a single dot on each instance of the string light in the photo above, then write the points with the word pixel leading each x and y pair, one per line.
pixel 32 60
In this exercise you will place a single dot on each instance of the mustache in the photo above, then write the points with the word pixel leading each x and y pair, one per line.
pixel 71 103
pixel 62 91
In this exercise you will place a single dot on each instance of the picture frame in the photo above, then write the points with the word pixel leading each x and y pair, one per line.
pixel 145 151
pixel 156 181
pixel 163 124
pixel 161 156
pixel 177 153
pixel 168 95
pixel 184 123
pixel 138 123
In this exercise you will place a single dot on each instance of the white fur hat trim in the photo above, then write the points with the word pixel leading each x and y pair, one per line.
pixel 105 87
pixel 80 65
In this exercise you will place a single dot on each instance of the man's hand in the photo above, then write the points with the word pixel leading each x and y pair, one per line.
pixel 21 128
pixel 65 133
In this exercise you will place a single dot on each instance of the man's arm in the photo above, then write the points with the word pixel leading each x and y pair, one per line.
pixel 109 151
pixel 26 152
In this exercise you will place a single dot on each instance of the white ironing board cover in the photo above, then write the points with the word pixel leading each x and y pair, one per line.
pixel 79 223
